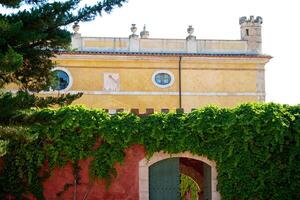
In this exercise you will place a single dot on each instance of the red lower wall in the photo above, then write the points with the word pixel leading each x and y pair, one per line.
pixel 123 187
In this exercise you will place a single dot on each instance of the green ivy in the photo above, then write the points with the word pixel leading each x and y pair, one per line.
pixel 187 184
pixel 256 146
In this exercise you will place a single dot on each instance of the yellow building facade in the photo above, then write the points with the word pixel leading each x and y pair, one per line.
pixel 142 72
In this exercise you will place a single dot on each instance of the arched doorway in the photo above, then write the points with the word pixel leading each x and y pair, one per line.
pixel 171 166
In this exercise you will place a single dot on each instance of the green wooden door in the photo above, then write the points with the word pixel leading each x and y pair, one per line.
pixel 207 181
pixel 165 180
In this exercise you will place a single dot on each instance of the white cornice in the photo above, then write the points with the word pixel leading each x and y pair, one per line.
pixel 259 60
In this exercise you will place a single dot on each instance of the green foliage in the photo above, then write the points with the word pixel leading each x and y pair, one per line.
pixel 10 61
pixel 3 147
pixel 17 3
pixel 12 105
pixel 187 184
pixel 256 146
pixel 32 36
pixel 29 39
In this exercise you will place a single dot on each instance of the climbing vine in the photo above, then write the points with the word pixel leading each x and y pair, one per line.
pixel 188 185
pixel 256 146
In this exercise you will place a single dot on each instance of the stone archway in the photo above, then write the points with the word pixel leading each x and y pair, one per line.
pixel 144 165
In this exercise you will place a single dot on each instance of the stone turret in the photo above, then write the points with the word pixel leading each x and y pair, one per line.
pixel 251 32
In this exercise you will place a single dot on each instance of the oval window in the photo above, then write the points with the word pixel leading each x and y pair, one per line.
pixel 163 78
pixel 62 80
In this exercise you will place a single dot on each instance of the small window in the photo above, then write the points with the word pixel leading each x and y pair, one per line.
pixel 163 78
pixel 62 79
pixel 247 32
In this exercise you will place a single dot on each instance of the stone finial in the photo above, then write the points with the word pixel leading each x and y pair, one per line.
pixel 190 31
pixel 133 30
pixel 258 20
pixel 76 27
pixel 144 34
pixel 76 37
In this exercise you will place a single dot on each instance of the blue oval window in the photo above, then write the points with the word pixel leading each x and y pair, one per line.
pixel 62 80
pixel 162 79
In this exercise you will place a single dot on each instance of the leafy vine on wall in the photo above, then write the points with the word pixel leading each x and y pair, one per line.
pixel 256 146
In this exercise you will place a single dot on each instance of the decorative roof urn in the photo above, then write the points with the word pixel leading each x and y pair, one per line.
pixel 76 27
pixel 133 30
pixel 190 31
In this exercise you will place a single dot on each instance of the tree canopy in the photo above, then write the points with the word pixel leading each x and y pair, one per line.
pixel 30 37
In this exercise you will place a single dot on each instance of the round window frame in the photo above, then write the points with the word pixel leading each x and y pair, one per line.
pixel 166 72
pixel 70 79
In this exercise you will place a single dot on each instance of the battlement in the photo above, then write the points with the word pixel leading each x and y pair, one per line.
pixel 251 20
pixel 149 111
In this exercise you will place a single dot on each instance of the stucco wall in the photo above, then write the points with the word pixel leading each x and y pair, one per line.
pixel 124 186
pixel 220 81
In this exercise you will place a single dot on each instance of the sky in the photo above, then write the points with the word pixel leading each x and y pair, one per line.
pixel 218 19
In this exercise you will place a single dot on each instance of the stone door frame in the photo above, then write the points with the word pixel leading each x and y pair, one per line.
pixel 144 165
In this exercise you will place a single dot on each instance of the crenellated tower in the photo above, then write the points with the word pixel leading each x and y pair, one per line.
pixel 251 32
